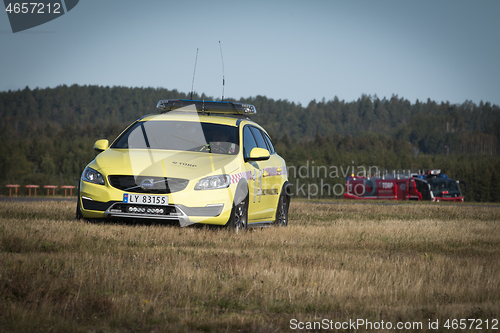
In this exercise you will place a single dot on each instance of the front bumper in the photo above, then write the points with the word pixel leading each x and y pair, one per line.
pixel 187 207
pixel 451 199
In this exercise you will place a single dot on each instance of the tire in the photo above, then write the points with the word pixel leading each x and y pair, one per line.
pixel 78 215
pixel 282 209
pixel 373 188
pixel 239 214
pixel 78 212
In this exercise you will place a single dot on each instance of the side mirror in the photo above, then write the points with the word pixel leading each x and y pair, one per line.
pixel 259 154
pixel 101 145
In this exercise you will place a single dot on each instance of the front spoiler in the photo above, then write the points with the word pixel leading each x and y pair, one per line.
pixel 174 212
pixel 450 199
pixel 184 220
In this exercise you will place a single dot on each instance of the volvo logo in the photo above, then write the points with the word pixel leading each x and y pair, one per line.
pixel 147 184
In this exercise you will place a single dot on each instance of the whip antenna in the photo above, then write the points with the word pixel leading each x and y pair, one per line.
pixel 194 72
pixel 223 77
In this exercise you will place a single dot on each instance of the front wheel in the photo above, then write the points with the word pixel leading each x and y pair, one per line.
pixel 282 210
pixel 78 211
pixel 78 214
pixel 239 215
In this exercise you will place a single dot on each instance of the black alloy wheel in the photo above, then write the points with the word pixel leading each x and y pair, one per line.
pixel 282 211
pixel 239 215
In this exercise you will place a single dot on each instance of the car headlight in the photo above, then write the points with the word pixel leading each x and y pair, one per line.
pixel 213 182
pixel 92 176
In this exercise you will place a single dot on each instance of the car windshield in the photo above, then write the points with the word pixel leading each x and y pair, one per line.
pixel 438 186
pixel 180 135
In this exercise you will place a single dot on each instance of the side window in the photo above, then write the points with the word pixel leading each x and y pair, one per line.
pixel 269 144
pixel 453 186
pixel 261 143
pixel 248 142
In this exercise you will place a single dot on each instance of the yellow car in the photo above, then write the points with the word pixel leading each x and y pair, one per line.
pixel 195 162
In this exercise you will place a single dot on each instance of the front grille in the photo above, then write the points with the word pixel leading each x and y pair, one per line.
pixel 144 184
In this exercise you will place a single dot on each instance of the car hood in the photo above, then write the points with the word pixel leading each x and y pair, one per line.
pixel 163 163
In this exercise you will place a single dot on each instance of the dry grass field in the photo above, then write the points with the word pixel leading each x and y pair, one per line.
pixel 335 263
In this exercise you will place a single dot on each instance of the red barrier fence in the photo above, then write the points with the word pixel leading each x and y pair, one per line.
pixel 32 186
pixel 66 187
pixel 53 187
pixel 11 186
pixel 35 187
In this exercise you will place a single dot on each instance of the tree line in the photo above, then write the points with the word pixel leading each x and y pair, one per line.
pixel 48 134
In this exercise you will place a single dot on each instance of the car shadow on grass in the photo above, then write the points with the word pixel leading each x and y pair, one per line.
pixel 155 223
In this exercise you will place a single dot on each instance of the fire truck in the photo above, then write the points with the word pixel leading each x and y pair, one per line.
pixel 427 186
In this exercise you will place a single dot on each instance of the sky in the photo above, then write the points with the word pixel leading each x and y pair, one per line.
pixel 446 50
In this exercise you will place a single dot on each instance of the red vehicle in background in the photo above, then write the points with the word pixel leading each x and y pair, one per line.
pixel 429 186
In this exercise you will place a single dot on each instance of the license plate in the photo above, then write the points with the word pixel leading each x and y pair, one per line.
pixel 145 199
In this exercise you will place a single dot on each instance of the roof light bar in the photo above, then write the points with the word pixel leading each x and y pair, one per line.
pixel 207 106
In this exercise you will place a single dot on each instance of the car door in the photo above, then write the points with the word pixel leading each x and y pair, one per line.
pixel 274 175
pixel 277 176
pixel 264 195
pixel 254 168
